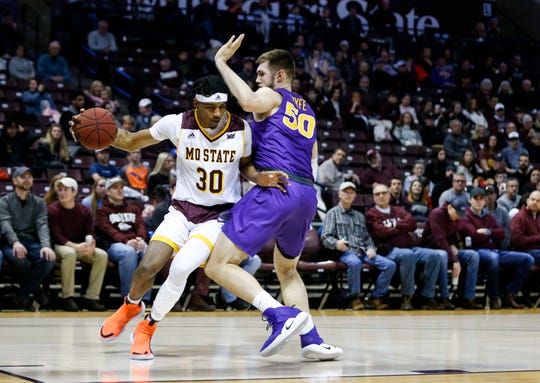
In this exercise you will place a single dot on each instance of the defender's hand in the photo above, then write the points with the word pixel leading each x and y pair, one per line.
pixel 228 49
pixel 273 179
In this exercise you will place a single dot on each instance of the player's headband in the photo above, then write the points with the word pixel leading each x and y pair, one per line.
pixel 216 97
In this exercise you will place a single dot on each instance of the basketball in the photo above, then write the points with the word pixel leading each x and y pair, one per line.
pixel 96 128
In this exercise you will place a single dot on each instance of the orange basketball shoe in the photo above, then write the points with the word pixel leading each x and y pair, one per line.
pixel 141 338
pixel 115 324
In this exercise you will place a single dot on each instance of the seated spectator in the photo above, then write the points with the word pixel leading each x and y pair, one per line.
pixel 52 67
pixel 474 114
pixel 406 132
pixel 144 117
pixel 331 174
pixel 168 76
pixel 134 173
pixel 72 230
pixel 20 67
pixel 101 167
pixel 127 122
pixel 456 142
pixel 52 194
pixel 94 200
pixel 15 143
pixel 525 227
pixel 479 137
pixel 441 232
pixel 345 234
pixel 377 172
pixel 486 235
pixel 532 183
pixel 406 107
pixel 38 102
pixel 391 228
pixel 74 108
pixel 355 113
pixel 418 171
pixel 500 214
pixel 523 173
pixel 457 190
pixel 333 108
pixel 52 151
pixel 26 243
pixel 162 172
pixel 101 40
pixel 469 167
pixel 436 167
pixel 419 201
pixel 396 193
pixel 510 199
pixel 109 103
pixel 488 156
pixel 93 95
pixel 510 155
pixel 120 229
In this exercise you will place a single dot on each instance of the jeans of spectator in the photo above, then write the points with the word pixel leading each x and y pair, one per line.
pixel 492 260
pixel 443 275
pixel 127 259
pixel 431 259
pixel 470 260
pixel 32 269
pixel 405 259
pixel 387 268
pixel 251 265
pixel 1 259
pixel 536 255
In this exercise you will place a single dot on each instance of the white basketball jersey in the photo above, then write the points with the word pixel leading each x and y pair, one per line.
pixel 207 168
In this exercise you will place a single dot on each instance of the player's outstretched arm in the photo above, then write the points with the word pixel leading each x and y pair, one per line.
pixel 261 101
pixel 124 140
pixel 129 141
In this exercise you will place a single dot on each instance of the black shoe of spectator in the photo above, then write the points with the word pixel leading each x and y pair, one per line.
pixel 41 297
pixel 219 302
pixel 69 304
pixel 197 303
pixel 93 305
pixel 239 304
pixel 447 304
pixel 431 304
pixel 22 303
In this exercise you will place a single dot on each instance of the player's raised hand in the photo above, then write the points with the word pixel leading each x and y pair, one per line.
pixel 273 179
pixel 75 120
pixel 228 49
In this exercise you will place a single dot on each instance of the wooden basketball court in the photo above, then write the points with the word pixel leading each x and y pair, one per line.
pixel 390 347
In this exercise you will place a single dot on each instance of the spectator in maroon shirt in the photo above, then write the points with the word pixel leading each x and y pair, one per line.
pixel 377 172
pixel 72 228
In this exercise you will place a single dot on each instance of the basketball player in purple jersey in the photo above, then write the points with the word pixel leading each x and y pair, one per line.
pixel 284 139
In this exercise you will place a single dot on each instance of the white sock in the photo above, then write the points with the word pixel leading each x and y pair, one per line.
pixel 308 327
pixel 133 301
pixel 263 301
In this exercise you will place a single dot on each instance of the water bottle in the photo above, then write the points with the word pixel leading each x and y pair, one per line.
pixel 88 238
pixel 468 242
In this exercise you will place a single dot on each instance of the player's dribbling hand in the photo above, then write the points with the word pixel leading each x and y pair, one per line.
pixel 75 121
pixel 228 49
pixel 273 179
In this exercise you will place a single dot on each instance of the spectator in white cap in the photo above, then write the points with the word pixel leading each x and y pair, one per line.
pixel 72 232
pixel 510 155
pixel 497 123
pixel 143 120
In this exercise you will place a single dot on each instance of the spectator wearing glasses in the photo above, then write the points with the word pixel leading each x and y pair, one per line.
pixel 459 182
pixel 500 214
pixel 345 234
pixel 391 228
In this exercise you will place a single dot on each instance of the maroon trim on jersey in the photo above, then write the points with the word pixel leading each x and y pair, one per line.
pixel 234 124
pixel 197 213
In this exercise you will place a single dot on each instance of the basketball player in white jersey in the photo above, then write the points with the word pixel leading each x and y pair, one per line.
pixel 212 146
